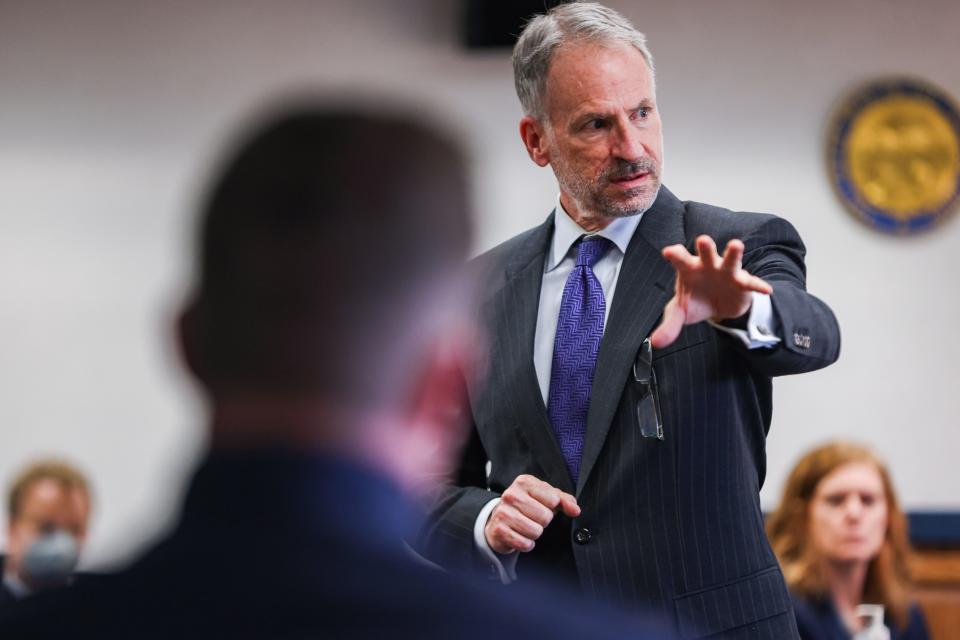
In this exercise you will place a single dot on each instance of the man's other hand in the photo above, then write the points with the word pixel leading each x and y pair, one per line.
pixel 708 287
pixel 525 509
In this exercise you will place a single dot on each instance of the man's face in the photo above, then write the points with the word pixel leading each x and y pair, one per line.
pixel 849 513
pixel 603 138
pixel 47 506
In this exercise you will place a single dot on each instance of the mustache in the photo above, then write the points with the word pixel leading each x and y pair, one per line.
pixel 626 168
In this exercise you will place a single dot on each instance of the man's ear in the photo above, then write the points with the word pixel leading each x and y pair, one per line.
pixel 438 415
pixel 189 342
pixel 440 402
pixel 421 444
pixel 533 134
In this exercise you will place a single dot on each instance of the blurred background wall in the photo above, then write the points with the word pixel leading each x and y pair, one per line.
pixel 111 113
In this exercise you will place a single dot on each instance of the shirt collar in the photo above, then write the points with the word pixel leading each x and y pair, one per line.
pixel 566 232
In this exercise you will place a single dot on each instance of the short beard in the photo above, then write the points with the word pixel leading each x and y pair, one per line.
pixel 590 195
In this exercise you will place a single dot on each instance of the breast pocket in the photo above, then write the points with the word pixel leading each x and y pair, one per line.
pixel 691 336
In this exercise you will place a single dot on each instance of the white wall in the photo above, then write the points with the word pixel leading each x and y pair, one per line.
pixel 110 114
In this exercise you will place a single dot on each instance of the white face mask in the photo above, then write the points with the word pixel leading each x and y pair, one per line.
pixel 51 559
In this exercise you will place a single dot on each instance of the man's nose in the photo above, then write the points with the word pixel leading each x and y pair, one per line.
pixel 628 143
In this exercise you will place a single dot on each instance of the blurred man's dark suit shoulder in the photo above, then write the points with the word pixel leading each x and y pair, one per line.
pixel 271 546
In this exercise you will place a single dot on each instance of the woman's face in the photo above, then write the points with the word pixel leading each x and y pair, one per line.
pixel 848 514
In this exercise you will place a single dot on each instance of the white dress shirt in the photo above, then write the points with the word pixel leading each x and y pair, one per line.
pixel 761 329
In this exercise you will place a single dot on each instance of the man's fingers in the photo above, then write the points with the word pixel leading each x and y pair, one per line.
pixel 679 257
pixel 544 493
pixel 518 542
pixel 517 522
pixel 707 252
pixel 569 505
pixel 732 256
pixel 503 539
pixel 753 283
pixel 670 327
pixel 518 498
pixel 526 508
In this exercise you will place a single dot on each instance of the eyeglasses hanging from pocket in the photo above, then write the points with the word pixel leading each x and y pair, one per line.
pixel 649 416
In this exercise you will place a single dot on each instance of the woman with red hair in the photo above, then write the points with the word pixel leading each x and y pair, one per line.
pixel 841 538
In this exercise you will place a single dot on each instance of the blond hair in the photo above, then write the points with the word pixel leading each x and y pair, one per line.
pixel 63 473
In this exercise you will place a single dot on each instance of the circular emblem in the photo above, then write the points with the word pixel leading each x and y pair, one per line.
pixel 895 155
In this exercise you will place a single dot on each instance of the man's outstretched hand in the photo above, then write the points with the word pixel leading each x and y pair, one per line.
pixel 708 287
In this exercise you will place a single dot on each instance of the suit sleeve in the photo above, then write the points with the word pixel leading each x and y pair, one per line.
pixel 809 333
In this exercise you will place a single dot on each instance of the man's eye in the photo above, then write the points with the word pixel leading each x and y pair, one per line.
pixel 596 123
pixel 642 112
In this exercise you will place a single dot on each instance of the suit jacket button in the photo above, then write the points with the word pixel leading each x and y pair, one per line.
pixel 582 535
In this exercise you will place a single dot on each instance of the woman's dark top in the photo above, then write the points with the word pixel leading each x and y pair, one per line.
pixel 819 620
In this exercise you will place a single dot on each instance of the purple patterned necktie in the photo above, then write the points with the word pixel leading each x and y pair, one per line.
pixel 579 330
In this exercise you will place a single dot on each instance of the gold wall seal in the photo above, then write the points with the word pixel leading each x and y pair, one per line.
pixel 895 155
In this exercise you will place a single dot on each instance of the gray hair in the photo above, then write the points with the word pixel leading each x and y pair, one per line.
pixel 543 34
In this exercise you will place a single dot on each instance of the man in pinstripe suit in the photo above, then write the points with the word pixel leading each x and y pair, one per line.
pixel 638 481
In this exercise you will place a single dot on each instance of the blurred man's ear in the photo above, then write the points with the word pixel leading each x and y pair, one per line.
pixel 440 399
pixel 438 417
pixel 188 341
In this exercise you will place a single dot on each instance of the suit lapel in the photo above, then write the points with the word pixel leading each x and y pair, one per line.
pixel 515 313
pixel 644 286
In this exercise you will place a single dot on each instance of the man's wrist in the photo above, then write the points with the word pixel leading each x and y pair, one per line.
pixel 503 565
pixel 762 327
pixel 740 322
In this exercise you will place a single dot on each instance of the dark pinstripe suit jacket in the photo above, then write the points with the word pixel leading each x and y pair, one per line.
pixel 674 524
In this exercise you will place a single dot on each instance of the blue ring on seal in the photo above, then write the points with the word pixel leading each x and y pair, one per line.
pixel 876 217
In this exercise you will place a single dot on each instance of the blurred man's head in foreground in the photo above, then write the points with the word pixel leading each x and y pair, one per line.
pixel 48 509
pixel 327 312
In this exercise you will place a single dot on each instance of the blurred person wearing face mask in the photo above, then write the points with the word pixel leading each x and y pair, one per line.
pixel 841 537
pixel 48 512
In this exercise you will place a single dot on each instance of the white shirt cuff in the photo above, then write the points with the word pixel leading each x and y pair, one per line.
pixel 762 324
pixel 504 564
